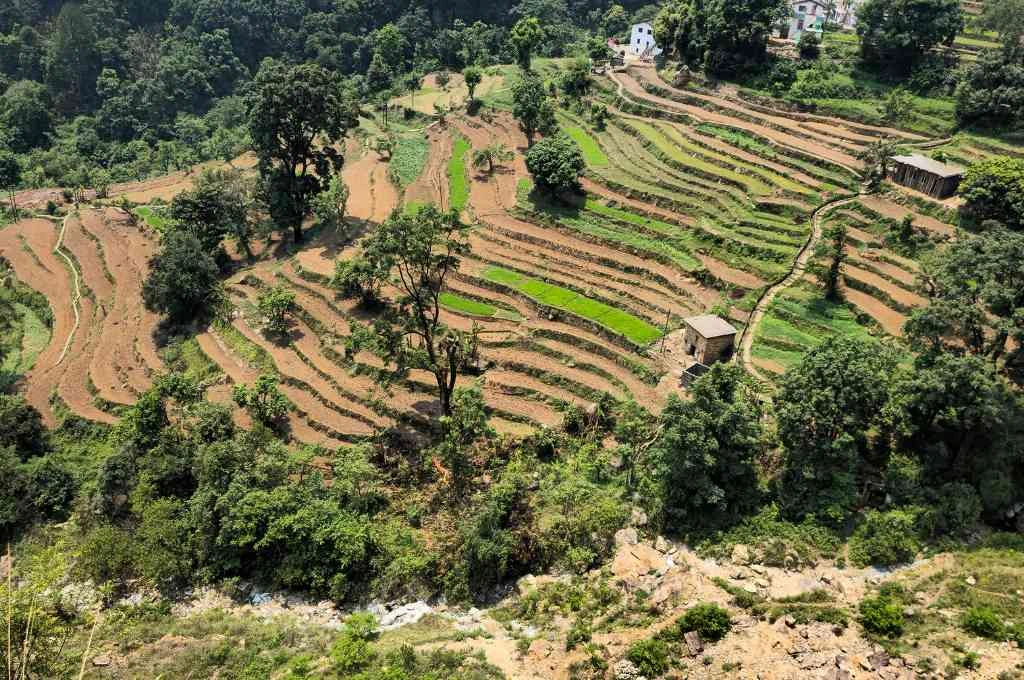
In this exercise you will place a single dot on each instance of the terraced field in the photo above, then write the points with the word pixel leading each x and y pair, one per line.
pixel 694 202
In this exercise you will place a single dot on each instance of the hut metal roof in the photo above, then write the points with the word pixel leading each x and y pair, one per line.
pixel 929 165
pixel 710 326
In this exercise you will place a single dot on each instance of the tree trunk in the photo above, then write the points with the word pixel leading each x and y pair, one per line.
pixel 297 231
pixel 445 394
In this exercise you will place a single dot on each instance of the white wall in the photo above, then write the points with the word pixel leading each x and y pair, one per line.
pixel 641 38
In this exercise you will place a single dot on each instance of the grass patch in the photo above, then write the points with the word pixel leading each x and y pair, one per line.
pixel 591 151
pixel 183 355
pixel 244 348
pixel 153 216
pixel 616 320
pixel 465 305
pixel 409 159
pixel 458 184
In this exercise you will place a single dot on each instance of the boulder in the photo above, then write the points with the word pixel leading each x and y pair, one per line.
pixel 627 536
pixel 694 645
pixel 740 554
pixel 660 544
pixel 625 670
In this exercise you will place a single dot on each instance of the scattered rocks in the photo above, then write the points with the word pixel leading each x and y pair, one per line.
pixel 837 674
pixel 405 615
pixel 789 621
pixel 878 660
pixel 660 544
pixel 970 580
pixel 625 670
pixel 758 569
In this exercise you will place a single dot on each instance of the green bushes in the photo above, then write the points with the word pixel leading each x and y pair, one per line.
pixel 886 538
pixel 984 622
pixel 710 620
pixel 882 615
pixel 649 656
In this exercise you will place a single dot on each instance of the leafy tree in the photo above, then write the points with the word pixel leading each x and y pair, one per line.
pixel 531 106
pixel 361 277
pixel 882 615
pixel 423 249
pixel 473 76
pixel 975 284
pixel 897 105
pixel 276 305
pixel 556 164
pixel 492 155
pixel 896 34
pixel 215 207
pixel 73 60
pixel 703 459
pixel 575 81
pixel 25 113
pixel 721 36
pixel 10 177
pixel 991 92
pixel 466 425
pixel 184 279
pixel 886 538
pixel 329 205
pixel 877 157
pixel 525 37
pixel 298 114
pixel 1007 19
pixel 21 427
pixel 615 22
pixel 993 190
pixel 825 407
pixel 832 249
pixel 263 401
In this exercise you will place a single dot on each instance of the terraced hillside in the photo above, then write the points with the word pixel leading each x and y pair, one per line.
pixel 695 201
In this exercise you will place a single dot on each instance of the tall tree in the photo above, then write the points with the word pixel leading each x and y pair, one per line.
pixel 423 249
pixel 10 176
pixel 298 114
pixel 215 207
pixel 532 107
pixel 1007 19
pixel 993 190
pixel 73 60
pixel 525 37
pixel 556 164
pixel 703 459
pixel 825 408
pixel 25 112
pixel 896 34
pixel 184 280
pixel 832 249
pixel 976 297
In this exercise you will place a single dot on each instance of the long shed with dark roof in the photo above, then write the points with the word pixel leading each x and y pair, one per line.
pixel 926 175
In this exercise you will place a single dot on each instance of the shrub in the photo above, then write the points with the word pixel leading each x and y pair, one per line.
pixel 885 538
pixel 649 656
pixel 708 619
pixel 809 46
pixel 958 508
pixel 276 305
pixel 882 616
pixel 983 622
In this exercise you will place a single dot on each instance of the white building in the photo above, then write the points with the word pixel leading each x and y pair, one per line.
pixel 641 41
pixel 811 15
pixel 807 16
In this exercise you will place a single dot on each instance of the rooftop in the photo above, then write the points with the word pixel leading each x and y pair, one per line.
pixel 710 326
pixel 929 165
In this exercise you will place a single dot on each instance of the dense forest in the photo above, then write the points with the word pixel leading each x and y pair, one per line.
pixel 871 448
pixel 110 91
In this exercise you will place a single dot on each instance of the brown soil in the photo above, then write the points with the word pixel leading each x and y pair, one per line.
pixel 895 211
pixel 889 319
pixel 769 365
pixel 372 197
pixel 28 246
pixel 641 391
pixel 907 278
pixel 900 295
pixel 432 184
pixel 501 381
pixel 552 366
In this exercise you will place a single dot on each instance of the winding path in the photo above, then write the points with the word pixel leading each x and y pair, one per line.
pixel 59 250
pixel 795 274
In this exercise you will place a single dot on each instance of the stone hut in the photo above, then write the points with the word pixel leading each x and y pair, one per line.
pixel 709 338
pixel 926 175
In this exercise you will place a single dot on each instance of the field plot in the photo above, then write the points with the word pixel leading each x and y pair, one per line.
pixel 693 202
